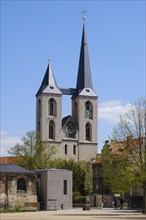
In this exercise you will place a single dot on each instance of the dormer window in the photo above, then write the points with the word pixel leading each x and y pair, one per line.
pixel 51 87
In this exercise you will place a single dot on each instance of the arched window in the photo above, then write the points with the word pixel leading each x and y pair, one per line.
pixel 75 111
pixel 70 130
pixel 74 149
pixel 52 107
pixel 51 130
pixel 39 108
pixel 88 132
pixel 39 127
pixel 65 148
pixel 21 184
pixel 88 110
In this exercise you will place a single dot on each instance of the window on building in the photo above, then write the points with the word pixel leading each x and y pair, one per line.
pixel 39 108
pixel 88 113
pixel 88 132
pixel 65 148
pixel 65 187
pixel 52 108
pixel 51 130
pixel 70 130
pixel 21 184
pixel 75 111
pixel 38 127
pixel 74 149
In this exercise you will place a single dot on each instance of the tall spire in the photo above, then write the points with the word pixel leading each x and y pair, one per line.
pixel 49 84
pixel 84 74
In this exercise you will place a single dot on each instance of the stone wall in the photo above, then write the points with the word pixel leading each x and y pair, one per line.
pixel 11 198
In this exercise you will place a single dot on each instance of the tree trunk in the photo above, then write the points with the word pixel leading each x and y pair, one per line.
pixel 144 198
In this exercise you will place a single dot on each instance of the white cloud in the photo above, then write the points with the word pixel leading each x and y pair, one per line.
pixel 7 142
pixel 111 110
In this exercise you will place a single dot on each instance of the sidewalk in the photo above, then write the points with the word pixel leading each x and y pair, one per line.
pixel 76 214
pixel 101 212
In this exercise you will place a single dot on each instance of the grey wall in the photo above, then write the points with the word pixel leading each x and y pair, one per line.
pixel 52 188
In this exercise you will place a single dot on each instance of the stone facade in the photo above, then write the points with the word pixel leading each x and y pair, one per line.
pixel 17 189
pixel 74 136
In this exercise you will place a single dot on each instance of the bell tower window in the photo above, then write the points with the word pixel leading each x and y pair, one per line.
pixel 39 108
pixel 88 132
pixel 75 111
pixel 39 129
pixel 88 110
pixel 51 130
pixel 52 107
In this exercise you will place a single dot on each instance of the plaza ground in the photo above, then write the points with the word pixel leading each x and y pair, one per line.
pixel 76 214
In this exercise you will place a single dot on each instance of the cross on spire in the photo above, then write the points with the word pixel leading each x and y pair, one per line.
pixel 84 12
pixel 49 60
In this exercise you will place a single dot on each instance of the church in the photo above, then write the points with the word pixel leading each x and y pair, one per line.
pixel 75 135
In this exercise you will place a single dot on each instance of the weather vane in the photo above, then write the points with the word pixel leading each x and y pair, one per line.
pixel 84 12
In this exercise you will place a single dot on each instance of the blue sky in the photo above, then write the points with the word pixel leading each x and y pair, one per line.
pixel 34 31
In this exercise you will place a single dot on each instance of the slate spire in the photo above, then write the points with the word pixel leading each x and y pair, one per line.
pixel 49 84
pixel 84 79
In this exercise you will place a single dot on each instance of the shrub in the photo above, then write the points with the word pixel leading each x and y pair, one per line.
pixel 79 199
pixel 76 194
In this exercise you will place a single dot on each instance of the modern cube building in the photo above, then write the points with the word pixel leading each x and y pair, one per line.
pixel 55 189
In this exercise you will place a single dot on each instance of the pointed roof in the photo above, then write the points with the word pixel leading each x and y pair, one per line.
pixel 67 119
pixel 49 84
pixel 84 74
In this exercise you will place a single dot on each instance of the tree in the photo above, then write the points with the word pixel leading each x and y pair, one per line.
pixel 127 161
pixel 32 154
pixel 82 173
pixel 116 171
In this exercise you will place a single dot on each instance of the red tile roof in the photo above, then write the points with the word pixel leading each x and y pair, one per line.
pixel 8 160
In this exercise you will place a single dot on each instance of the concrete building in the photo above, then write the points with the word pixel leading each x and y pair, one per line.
pixel 55 189
pixel 75 135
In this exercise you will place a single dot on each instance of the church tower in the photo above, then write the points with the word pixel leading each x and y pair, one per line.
pixel 84 104
pixel 48 108
pixel 75 135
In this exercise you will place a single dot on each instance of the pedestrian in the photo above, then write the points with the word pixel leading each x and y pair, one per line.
pixel 121 203
pixel 115 203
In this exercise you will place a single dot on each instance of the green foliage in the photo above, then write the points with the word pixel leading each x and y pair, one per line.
pixel 82 173
pixel 79 199
pixel 116 173
pixel 125 167
pixel 32 154
pixel 7 211
pixel 76 194
pixel 18 208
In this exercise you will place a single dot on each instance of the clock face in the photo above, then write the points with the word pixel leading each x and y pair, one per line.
pixel 88 114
